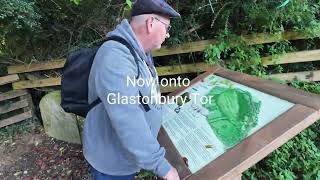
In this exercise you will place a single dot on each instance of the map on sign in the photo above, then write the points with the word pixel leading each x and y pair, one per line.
pixel 215 114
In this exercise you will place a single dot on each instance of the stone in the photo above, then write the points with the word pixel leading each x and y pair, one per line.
pixel 57 123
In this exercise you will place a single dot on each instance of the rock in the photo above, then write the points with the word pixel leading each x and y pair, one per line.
pixel 57 123
pixel 17 173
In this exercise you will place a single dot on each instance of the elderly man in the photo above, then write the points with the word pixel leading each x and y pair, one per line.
pixel 120 137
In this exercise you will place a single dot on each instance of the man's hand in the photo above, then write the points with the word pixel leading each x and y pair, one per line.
pixel 172 175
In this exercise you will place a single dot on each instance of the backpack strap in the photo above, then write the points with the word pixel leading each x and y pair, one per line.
pixel 124 42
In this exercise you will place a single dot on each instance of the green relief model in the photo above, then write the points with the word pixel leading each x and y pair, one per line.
pixel 232 114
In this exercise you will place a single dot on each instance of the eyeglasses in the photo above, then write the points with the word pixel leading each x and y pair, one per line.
pixel 168 26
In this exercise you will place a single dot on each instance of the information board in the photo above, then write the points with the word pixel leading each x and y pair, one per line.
pixel 213 115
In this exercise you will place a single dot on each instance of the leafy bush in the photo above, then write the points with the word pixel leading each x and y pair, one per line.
pixel 18 20
pixel 297 159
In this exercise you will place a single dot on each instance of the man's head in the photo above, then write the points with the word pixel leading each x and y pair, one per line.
pixel 151 30
pixel 151 22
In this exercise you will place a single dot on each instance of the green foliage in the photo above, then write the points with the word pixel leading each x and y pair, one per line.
pixel 240 56
pixel 76 2
pixel 306 86
pixel 264 17
pixel 146 175
pixel 59 26
pixel 300 157
pixel 129 4
pixel 284 3
pixel 43 30
pixel 17 14
pixel 245 17
pixel 23 127
pixel 18 20
pixel 297 159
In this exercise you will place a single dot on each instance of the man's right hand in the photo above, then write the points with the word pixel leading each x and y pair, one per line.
pixel 172 175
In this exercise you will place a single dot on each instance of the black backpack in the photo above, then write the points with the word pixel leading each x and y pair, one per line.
pixel 75 76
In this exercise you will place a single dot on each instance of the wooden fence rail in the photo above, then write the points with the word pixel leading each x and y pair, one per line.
pixel 8 79
pixel 15 119
pixel 48 82
pixel 185 48
pixel 55 64
pixel 306 76
pixel 260 38
pixel 303 76
pixel 295 57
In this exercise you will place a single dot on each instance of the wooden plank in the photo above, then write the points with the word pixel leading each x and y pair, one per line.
pixel 57 82
pixel 12 94
pixel 15 119
pixel 257 146
pixel 303 76
pixel 295 57
pixel 36 66
pixel 37 83
pixel 9 79
pixel 168 89
pixel 238 177
pixel 14 106
pixel 183 69
pixel 184 48
pixel 279 90
pixel 260 38
pixel 173 154
pixel 30 106
pixel 162 71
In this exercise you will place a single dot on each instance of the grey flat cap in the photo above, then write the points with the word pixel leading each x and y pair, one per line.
pixel 160 7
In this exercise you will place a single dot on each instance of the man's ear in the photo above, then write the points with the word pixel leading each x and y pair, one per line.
pixel 149 24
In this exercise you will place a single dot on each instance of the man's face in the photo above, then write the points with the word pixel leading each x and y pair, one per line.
pixel 160 31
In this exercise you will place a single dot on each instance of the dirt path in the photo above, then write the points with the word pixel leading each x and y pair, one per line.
pixel 37 156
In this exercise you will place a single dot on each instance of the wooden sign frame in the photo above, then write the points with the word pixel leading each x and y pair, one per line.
pixel 232 163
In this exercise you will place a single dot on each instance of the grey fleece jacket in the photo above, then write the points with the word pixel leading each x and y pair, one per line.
pixel 121 138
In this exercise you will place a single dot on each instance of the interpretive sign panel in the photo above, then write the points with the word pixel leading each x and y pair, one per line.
pixel 218 114
pixel 215 114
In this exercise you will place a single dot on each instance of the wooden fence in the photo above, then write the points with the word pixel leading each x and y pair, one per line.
pixel 296 57
pixel 13 101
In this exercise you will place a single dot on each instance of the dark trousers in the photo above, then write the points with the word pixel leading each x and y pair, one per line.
pixel 96 175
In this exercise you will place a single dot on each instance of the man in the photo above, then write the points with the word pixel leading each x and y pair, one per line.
pixel 120 138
